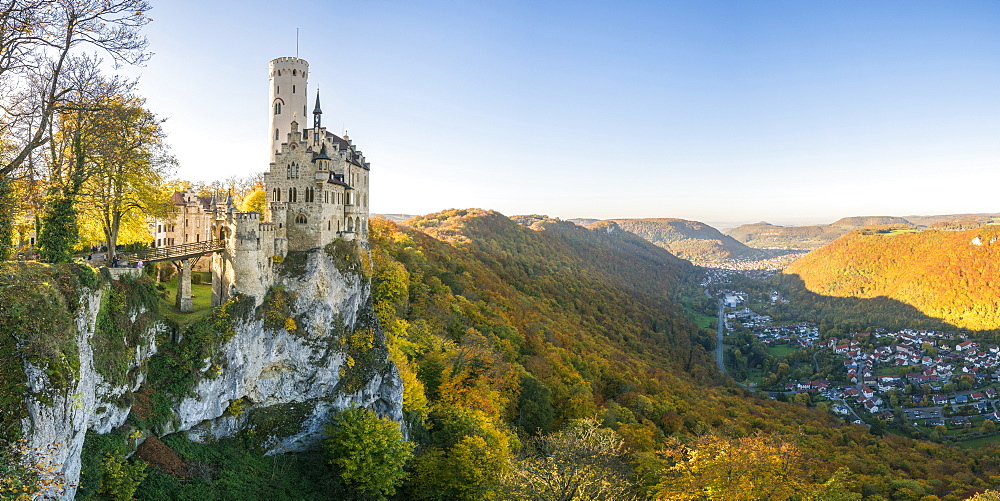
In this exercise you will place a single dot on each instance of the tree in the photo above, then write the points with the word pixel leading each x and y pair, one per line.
pixel 582 462
pixel 121 478
pixel 986 496
pixel 43 68
pixel 747 468
pixel 465 457
pixel 534 409
pixel 988 426
pixel 255 202
pixel 368 451
pixel 129 166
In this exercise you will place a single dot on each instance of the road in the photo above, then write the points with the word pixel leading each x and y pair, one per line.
pixel 720 328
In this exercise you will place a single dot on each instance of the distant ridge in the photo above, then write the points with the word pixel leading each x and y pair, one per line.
pixel 691 240
pixel 396 217
pixel 764 235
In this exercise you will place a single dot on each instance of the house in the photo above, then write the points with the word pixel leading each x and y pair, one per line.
pixel 965 345
pixel 866 391
pixel 940 400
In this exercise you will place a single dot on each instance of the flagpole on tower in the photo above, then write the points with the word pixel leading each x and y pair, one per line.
pixel 296 42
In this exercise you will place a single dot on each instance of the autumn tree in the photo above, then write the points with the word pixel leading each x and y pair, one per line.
pixel 582 462
pixel 747 468
pixel 42 55
pixel 129 166
pixel 464 458
pixel 368 451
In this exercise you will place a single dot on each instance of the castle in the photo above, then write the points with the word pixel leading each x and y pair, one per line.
pixel 316 186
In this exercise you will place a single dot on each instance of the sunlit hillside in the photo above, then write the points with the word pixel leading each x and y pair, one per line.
pixel 950 275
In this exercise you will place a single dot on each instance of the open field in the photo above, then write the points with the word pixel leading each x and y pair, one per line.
pixel 780 350
pixel 201 297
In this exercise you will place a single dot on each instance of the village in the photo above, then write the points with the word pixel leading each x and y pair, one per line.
pixel 942 384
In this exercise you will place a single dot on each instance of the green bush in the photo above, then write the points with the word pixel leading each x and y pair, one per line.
pixel 368 452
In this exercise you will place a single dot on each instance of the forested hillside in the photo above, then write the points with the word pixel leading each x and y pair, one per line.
pixel 690 240
pixel 948 275
pixel 504 329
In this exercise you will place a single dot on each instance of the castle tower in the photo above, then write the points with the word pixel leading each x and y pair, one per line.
pixel 289 77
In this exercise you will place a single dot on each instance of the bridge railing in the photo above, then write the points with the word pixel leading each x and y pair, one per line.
pixel 175 251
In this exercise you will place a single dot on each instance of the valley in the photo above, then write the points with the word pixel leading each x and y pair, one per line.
pixel 934 385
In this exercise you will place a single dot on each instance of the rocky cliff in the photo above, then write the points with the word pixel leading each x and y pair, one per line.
pixel 272 367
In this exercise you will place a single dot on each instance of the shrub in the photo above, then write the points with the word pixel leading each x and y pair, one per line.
pixel 369 452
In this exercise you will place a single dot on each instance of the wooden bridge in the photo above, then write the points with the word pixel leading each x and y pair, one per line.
pixel 174 252
pixel 183 257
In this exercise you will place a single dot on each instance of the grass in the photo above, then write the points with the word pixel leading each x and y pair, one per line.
pixel 755 376
pixel 901 231
pixel 976 443
pixel 201 299
pixel 780 350
pixel 887 371
pixel 704 321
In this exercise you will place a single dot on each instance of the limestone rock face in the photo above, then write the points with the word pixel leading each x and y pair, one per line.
pixel 59 422
pixel 295 379
pixel 325 354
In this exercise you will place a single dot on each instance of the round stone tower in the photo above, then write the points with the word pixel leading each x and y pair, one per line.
pixel 288 98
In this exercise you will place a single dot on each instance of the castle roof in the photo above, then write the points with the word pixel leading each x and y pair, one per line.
pixel 352 156
pixel 177 198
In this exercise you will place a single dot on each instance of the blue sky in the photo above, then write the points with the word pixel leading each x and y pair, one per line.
pixel 724 112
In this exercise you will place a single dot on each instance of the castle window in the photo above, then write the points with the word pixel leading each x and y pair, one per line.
pixel 277 195
pixel 328 224
pixel 293 195
pixel 293 89
pixel 275 134
pixel 278 91
pixel 293 72
pixel 310 194
pixel 300 219
pixel 350 224
pixel 277 108
pixel 279 73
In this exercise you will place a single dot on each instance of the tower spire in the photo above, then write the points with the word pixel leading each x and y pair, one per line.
pixel 317 116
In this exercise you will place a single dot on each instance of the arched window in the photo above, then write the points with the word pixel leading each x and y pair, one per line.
pixel 279 89
pixel 301 219
pixel 277 195
pixel 275 134
pixel 293 195
pixel 293 89
pixel 279 73
pixel 310 194
pixel 328 225
pixel 293 72
pixel 350 224
pixel 277 108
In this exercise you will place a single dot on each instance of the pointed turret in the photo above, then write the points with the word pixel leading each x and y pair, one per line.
pixel 317 112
